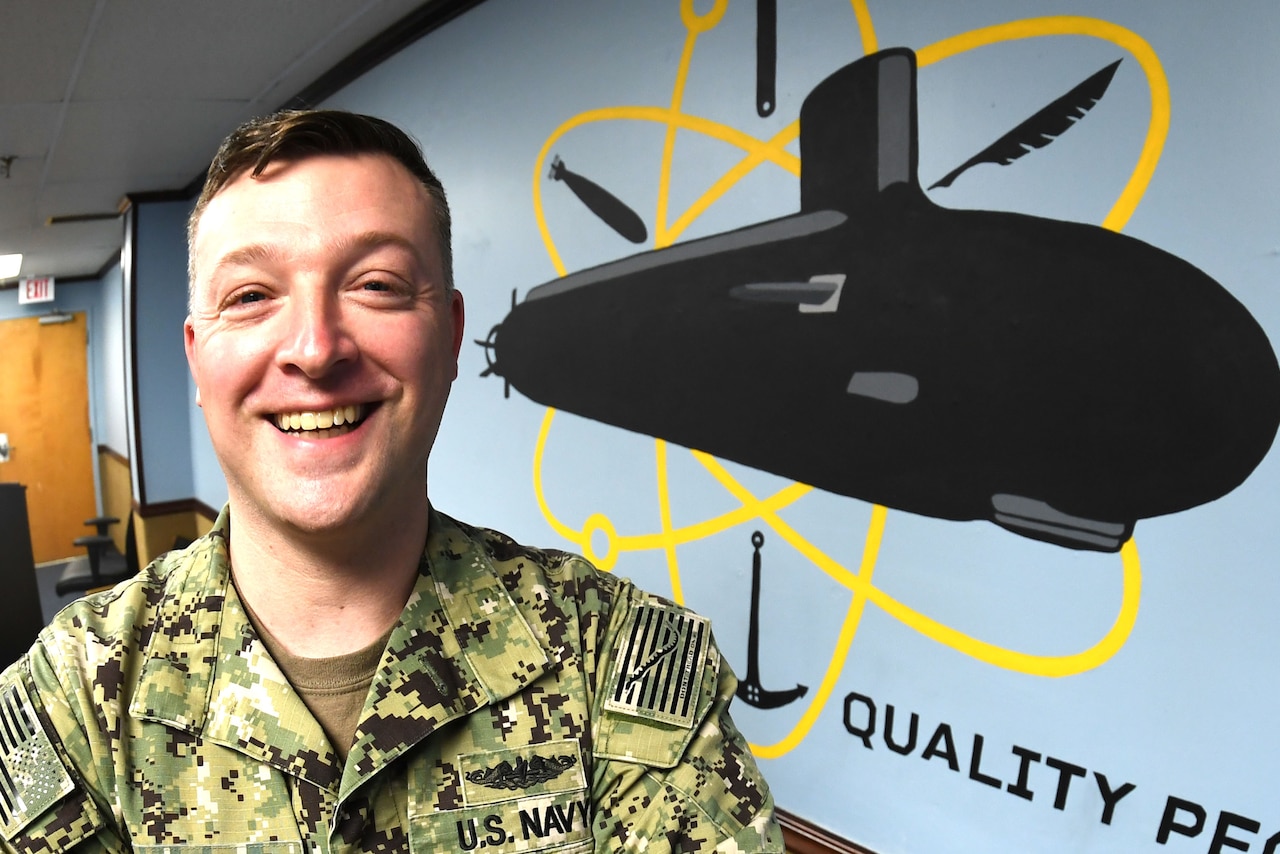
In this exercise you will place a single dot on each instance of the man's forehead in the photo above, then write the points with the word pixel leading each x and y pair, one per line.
pixel 319 188
pixel 323 170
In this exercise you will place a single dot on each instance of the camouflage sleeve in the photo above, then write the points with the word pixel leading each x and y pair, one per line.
pixel 672 771
pixel 45 803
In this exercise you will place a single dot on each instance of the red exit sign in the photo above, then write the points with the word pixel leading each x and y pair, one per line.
pixel 35 289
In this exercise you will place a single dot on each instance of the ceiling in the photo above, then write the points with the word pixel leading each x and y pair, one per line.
pixel 103 98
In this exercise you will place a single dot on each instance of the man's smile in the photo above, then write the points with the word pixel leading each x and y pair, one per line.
pixel 323 423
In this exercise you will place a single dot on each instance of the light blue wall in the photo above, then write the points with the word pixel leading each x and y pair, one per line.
pixel 975 632
pixel 178 458
pixel 83 296
pixel 71 297
pixel 160 282
pixel 210 485
pixel 106 342
pixel 960 619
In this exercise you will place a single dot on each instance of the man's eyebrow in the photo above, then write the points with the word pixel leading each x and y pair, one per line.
pixel 376 240
pixel 246 256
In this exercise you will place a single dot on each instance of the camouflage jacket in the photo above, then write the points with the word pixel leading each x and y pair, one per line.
pixel 525 702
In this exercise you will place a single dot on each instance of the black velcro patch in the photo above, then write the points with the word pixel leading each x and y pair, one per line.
pixel 659 672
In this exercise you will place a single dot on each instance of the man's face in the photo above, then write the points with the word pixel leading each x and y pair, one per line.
pixel 319 296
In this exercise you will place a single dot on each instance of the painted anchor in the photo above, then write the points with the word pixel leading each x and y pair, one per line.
pixel 750 691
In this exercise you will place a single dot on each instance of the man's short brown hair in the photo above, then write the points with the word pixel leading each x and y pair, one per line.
pixel 292 135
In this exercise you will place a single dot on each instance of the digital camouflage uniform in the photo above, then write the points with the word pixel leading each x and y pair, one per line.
pixel 525 702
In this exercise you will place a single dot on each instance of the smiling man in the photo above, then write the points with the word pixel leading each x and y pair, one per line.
pixel 338 666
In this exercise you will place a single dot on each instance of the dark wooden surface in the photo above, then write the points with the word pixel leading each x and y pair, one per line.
pixel 804 837
pixel 20 615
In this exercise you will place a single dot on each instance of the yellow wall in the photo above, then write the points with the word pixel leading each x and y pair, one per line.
pixel 155 534
pixel 117 492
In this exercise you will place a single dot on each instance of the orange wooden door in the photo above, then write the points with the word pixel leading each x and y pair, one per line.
pixel 44 410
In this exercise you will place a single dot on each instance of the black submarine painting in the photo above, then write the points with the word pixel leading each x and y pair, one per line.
pixel 1058 379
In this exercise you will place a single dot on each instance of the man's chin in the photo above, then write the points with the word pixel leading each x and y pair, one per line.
pixel 329 515
pixel 346 504
pixel 314 511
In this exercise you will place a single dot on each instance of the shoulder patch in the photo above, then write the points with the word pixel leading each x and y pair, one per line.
pixel 32 776
pixel 658 670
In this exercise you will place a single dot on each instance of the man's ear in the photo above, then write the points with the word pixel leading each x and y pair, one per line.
pixel 189 344
pixel 458 315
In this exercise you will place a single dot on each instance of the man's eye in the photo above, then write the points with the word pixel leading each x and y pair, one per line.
pixel 239 299
pixel 376 285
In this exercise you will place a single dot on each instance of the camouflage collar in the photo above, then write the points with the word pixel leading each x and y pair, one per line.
pixel 206 671
pixel 462 643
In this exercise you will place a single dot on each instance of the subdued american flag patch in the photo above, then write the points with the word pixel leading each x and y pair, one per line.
pixel 659 672
pixel 32 776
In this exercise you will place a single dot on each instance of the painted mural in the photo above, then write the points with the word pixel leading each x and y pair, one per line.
pixel 959 364
pixel 902 341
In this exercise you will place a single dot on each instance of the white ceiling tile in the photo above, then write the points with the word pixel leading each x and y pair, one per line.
pixel 160 83
pixel 80 197
pixel 147 145
pixel 143 48
pixel 17 211
pixel 40 40
pixel 25 129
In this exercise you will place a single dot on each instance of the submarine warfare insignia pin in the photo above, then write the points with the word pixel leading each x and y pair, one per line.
pixel 524 774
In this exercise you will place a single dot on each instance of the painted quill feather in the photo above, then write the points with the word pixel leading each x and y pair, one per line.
pixel 1043 127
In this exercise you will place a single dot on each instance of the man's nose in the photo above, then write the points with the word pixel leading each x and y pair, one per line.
pixel 316 339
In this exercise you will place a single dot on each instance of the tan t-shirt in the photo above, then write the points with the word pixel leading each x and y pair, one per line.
pixel 334 689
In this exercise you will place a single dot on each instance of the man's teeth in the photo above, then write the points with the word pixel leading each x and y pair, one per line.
pixel 323 420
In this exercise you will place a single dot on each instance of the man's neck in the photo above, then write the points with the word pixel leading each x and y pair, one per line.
pixel 326 595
